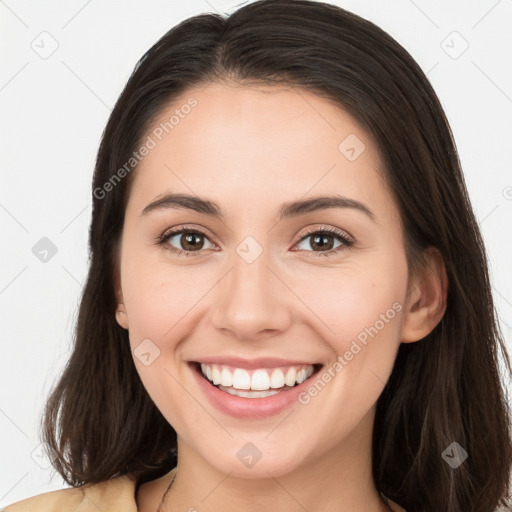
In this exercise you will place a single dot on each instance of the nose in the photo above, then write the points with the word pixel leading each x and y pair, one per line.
pixel 252 302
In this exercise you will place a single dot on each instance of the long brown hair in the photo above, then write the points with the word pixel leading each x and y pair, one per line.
pixel 99 421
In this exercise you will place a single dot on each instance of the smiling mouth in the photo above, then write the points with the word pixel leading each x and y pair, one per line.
pixel 256 383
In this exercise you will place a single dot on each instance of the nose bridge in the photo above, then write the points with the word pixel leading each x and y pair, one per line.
pixel 251 298
pixel 249 278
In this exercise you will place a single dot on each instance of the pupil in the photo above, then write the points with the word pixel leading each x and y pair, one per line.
pixel 322 241
pixel 189 241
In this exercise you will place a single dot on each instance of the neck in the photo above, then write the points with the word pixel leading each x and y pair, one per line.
pixel 340 480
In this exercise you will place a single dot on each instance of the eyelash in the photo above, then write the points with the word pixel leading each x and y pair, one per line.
pixel 343 237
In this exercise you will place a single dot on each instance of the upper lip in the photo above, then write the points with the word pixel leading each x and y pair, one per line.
pixel 251 364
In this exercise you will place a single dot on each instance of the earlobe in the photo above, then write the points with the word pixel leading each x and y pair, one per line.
pixel 426 302
pixel 121 316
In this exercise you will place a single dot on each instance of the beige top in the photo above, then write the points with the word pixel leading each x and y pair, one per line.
pixel 114 495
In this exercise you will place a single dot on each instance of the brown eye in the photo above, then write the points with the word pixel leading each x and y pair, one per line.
pixel 185 240
pixel 324 241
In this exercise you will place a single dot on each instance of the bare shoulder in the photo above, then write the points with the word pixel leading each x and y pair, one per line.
pixel 116 494
pixel 62 500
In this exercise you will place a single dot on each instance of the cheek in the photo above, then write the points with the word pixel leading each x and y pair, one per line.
pixel 349 301
pixel 341 303
pixel 159 305
pixel 367 308
pixel 365 313
pixel 158 295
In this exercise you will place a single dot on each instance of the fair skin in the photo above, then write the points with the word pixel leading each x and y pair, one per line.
pixel 251 149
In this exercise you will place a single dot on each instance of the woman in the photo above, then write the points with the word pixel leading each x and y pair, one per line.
pixel 288 305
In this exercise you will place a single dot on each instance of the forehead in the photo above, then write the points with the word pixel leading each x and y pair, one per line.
pixel 255 142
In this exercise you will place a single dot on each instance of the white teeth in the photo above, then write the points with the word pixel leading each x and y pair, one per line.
pixel 301 376
pixel 249 394
pixel 241 379
pixel 262 379
pixel 226 377
pixel 277 379
pixel 290 377
pixel 207 370
pixel 215 375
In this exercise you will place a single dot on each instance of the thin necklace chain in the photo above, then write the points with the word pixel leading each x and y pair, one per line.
pixel 165 494
pixel 160 507
pixel 386 502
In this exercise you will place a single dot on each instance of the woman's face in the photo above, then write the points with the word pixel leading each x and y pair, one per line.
pixel 263 296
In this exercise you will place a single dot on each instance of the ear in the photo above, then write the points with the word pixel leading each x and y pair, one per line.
pixel 121 316
pixel 426 301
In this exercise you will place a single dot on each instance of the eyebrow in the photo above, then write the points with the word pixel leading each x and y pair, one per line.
pixel 287 210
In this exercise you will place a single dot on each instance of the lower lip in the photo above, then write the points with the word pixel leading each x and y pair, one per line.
pixel 250 408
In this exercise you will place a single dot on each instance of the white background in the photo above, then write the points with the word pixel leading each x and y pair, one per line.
pixel 54 109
